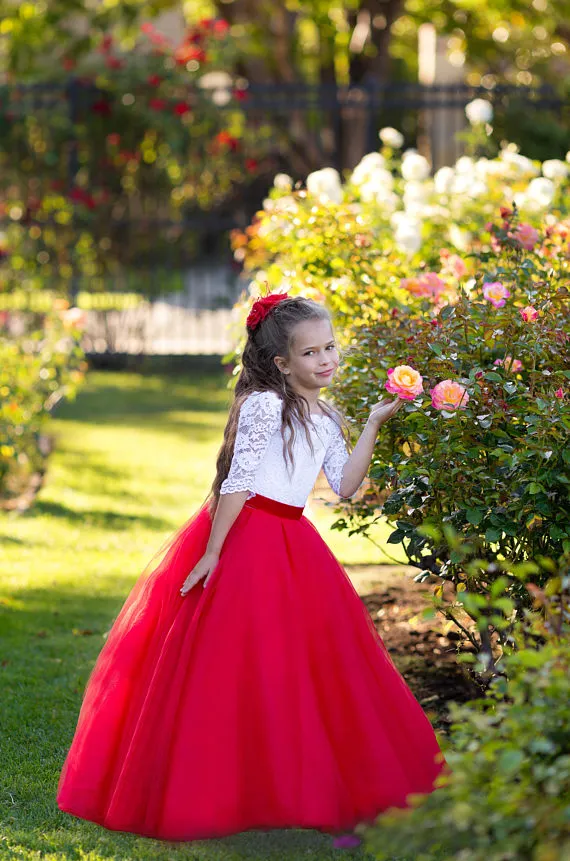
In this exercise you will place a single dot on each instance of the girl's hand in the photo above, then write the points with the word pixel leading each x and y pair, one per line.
pixel 203 568
pixel 384 410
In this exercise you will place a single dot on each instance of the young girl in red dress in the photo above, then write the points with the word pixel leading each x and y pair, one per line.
pixel 243 684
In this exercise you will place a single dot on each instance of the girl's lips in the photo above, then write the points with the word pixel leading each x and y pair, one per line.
pixel 324 373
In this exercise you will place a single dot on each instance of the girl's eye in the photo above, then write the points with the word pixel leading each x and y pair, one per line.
pixel 328 347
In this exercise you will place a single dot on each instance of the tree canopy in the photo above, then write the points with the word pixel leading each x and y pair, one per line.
pixel 343 41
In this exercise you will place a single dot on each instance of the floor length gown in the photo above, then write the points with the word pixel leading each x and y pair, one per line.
pixel 266 699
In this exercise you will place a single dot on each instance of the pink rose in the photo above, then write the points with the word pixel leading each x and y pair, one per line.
pixel 405 382
pixel 428 284
pixel 449 395
pixel 559 393
pixel 529 314
pixel 509 364
pixel 452 264
pixel 496 293
pixel 526 236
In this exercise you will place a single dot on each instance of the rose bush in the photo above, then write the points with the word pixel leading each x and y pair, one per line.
pixel 508 792
pixel 137 140
pixel 41 362
pixel 483 452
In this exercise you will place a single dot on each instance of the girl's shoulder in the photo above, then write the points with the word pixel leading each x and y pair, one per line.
pixel 264 403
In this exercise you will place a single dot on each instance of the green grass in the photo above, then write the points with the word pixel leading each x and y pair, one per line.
pixel 134 458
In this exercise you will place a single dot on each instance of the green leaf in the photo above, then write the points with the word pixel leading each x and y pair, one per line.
pixel 435 348
pixel 534 487
pixel 475 515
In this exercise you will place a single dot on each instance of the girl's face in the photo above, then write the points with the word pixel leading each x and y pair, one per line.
pixel 313 357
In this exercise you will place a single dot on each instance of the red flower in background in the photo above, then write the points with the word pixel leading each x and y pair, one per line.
pixel 154 80
pixel 184 53
pixel 102 107
pixel 68 63
pixel 114 63
pixel 79 195
pixel 105 44
pixel 221 27
pixel 157 104
pixel 225 139
pixel 181 108
pixel 240 94
pixel 114 139
pixel 251 164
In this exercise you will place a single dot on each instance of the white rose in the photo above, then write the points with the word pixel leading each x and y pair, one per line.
pixel 268 205
pixel 568 156
pixel 469 186
pixel 286 204
pixel 408 235
pixel 464 165
pixel 370 163
pixel 415 167
pixel 443 180
pixel 519 164
pixel 283 182
pixel 554 168
pixel 415 192
pixel 485 167
pixel 459 237
pixel 479 111
pixel 539 193
pixel 377 186
pixel 325 184
pixel 391 137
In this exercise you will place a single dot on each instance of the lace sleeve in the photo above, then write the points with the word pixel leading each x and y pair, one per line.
pixel 335 458
pixel 259 418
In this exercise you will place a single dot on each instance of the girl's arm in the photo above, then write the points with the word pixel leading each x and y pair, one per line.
pixel 228 507
pixel 358 462
pixel 259 418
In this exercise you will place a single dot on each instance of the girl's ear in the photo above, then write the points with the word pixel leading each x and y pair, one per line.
pixel 281 364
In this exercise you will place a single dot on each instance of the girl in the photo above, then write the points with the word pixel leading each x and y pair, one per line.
pixel 243 684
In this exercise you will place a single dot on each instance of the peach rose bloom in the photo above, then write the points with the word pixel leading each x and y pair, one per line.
pixel 527 236
pixel 429 285
pixel 496 293
pixel 559 393
pixel 449 395
pixel 529 314
pixel 509 364
pixel 405 382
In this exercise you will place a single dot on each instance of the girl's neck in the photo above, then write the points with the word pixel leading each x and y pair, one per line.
pixel 312 397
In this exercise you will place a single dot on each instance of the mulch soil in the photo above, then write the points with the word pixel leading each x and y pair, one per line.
pixel 426 659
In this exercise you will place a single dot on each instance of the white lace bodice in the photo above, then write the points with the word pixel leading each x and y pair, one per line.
pixel 258 464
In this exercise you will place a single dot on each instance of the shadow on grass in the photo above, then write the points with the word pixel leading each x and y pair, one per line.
pixel 112 520
pixel 127 396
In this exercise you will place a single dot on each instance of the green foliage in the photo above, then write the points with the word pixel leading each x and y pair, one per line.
pixel 478 493
pixel 507 792
pixel 37 369
pixel 134 143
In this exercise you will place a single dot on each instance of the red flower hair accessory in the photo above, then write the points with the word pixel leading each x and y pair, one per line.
pixel 261 308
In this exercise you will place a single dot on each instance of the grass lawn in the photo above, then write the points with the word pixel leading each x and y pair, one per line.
pixel 134 458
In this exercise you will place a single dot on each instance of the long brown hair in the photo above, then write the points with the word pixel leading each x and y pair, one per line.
pixel 273 337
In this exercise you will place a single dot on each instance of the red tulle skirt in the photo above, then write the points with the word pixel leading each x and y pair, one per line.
pixel 265 700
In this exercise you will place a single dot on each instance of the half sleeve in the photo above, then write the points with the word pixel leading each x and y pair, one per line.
pixel 336 456
pixel 259 418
